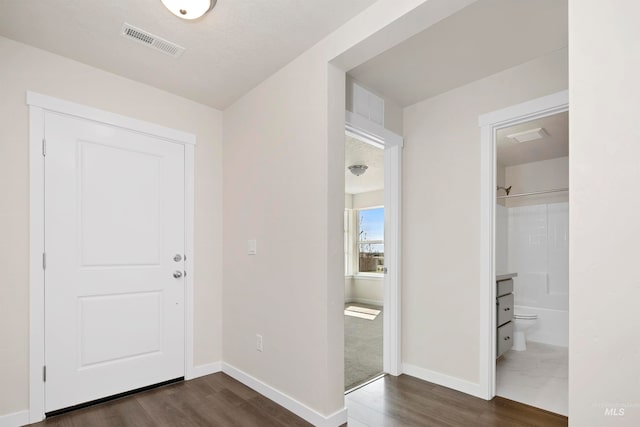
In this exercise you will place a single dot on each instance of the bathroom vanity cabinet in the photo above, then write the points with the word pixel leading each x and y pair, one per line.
pixel 504 313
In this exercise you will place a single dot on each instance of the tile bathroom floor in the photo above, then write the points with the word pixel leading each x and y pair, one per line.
pixel 537 377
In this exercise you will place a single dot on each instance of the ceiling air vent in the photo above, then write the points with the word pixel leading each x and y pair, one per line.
pixel 528 135
pixel 146 38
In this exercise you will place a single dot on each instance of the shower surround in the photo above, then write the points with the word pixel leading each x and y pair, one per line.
pixel 533 241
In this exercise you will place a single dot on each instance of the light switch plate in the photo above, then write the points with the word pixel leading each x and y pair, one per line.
pixel 251 247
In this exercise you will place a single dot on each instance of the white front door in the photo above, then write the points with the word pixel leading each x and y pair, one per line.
pixel 114 242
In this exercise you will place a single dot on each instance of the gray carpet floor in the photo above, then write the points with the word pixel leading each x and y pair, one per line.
pixel 362 348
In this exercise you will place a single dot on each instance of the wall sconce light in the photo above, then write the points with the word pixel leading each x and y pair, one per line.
pixel 189 9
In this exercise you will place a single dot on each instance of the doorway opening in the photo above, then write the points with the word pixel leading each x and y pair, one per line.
pixel 532 256
pixel 525 186
pixel 364 260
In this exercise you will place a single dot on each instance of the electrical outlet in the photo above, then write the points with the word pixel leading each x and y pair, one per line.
pixel 258 342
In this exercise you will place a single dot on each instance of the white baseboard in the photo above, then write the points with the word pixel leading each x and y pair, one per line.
pixel 14 420
pixel 364 301
pixel 444 380
pixel 202 370
pixel 300 409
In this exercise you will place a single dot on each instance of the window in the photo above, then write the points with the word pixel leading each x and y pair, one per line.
pixel 370 240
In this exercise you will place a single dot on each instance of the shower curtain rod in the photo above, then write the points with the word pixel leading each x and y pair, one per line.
pixel 533 193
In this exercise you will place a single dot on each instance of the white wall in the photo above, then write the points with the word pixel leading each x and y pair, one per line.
pixel 365 289
pixel 370 199
pixel 348 289
pixel 348 201
pixel 441 211
pixel 25 68
pixel 293 287
pixel 289 287
pixel 538 176
pixel 500 181
pixel 604 148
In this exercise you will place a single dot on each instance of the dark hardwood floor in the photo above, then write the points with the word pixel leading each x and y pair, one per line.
pixel 213 400
pixel 407 401
pixel 219 400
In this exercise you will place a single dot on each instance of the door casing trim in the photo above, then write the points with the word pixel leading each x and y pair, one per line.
pixel 38 105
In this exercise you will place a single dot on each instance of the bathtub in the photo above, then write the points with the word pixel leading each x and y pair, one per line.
pixel 551 328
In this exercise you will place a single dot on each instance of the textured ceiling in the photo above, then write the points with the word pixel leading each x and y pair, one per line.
pixel 361 153
pixel 556 144
pixel 482 39
pixel 229 51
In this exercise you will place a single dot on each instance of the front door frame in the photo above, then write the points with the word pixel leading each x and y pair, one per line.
pixel 38 105
pixel 392 144
pixel 490 123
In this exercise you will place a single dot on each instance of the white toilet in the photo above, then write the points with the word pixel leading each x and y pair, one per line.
pixel 521 324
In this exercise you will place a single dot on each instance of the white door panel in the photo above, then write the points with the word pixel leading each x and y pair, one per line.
pixel 132 205
pixel 137 336
pixel 114 220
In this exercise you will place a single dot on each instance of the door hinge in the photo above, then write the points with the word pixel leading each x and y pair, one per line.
pixel 44 374
pixel 44 147
pixel 44 260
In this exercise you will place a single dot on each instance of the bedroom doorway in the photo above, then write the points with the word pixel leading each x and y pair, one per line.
pixel 372 249
pixel 364 261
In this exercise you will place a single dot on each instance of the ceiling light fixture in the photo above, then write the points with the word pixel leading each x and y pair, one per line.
pixel 189 9
pixel 358 170
pixel 529 135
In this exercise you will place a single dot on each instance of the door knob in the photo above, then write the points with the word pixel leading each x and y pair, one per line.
pixel 177 274
pixel 177 258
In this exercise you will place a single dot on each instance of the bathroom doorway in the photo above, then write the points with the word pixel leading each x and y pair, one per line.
pixel 532 241
pixel 531 247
